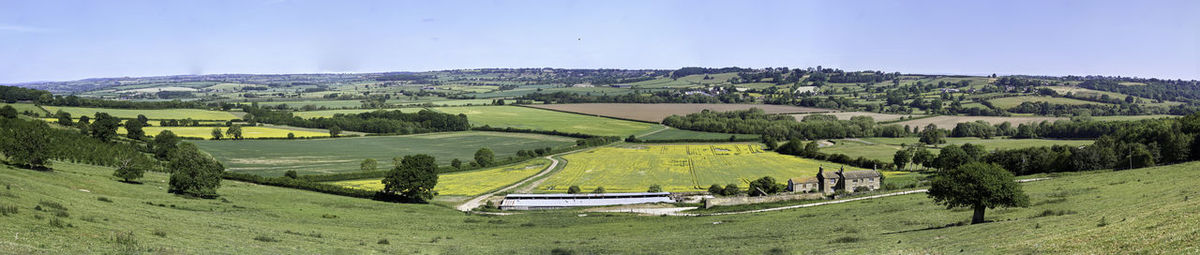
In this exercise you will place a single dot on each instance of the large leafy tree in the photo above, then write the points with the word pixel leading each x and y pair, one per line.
pixel 901 158
pixel 25 143
pixel 8 112
pixel 105 126
pixel 194 173
pixel 234 132
pixel 133 129
pixel 484 157
pixel 217 134
pixel 979 186
pixel 414 178
pixel 368 165
pixel 164 143
pixel 132 167
pixel 64 118
pixel 931 135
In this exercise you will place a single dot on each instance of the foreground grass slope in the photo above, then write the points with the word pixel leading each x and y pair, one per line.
pixel 1149 210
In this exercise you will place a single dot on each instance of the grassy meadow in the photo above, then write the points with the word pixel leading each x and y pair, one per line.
pixel 1010 102
pixel 675 133
pixel 1126 212
pixel 316 156
pixel 21 107
pixel 196 114
pixel 469 183
pixel 633 168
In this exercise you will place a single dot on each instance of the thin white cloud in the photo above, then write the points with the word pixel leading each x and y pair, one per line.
pixel 21 29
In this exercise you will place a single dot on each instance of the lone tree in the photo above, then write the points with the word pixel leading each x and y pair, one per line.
pixel 979 186
pixel 574 189
pixel 131 167
pixel 164 144
pixel 64 118
pixel 901 158
pixel 234 132
pixel 26 143
pixel 414 178
pixel 599 189
pixel 133 129
pixel 655 188
pixel 484 157
pixel 368 165
pixel 334 131
pixel 217 134
pixel 105 127
pixel 932 135
pixel 194 173
pixel 765 186
pixel 456 163
pixel 8 112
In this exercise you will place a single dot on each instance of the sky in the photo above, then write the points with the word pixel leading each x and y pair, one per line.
pixel 49 40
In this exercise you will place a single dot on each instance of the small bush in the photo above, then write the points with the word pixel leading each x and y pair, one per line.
pixel 846 239
pixel 104 199
pixel 126 242
pixel 1049 212
pixel 383 241
pixel 58 223
pixel 160 233
pixel 561 251
pixel 52 205
pixel 265 238
pixel 329 216
pixel 62 214
pixel 8 209
pixel 1103 222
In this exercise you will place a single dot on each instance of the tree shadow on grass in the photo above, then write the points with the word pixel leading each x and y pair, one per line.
pixel 29 167
pixel 130 182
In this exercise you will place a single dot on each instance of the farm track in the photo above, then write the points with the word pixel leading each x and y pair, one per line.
pixel 475 202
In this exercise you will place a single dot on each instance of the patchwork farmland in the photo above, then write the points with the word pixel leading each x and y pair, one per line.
pixel 657 112
pixel 676 167
pixel 530 118
pixel 469 183
pixel 247 132
pixel 315 156
pixel 195 114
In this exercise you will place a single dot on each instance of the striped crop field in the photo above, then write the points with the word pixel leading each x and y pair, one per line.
pixel 469 183
pixel 676 168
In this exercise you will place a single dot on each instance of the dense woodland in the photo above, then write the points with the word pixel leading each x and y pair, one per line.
pixel 381 121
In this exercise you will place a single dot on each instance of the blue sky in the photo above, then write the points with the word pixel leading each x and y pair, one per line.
pixel 67 40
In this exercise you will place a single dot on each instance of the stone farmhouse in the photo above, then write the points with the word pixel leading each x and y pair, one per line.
pixel 831 182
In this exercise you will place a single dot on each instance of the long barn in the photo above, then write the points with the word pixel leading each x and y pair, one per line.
pixel 556 201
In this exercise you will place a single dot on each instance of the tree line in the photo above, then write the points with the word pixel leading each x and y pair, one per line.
pixel 381 121
pixel 773 126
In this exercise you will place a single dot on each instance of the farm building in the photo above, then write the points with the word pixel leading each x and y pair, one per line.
pixel 830 182
pixel 556 201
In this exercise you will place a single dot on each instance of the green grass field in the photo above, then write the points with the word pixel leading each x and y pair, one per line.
pixel 472 182
pixel 1010 102
pixel 633 168
pixel 195 114
pixel 1143 211
pixel 247 132
pixel 880 148
pixel 674 133
pixel 274 157
pixel 529 118
pixel 21 108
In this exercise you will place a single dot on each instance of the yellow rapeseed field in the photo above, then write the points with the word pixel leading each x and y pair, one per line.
pixel 469 183
pixel 677 167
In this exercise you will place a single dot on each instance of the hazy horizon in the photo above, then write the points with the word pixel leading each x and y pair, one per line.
pixel 71 40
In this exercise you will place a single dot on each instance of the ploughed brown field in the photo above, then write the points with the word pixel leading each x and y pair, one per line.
pixel 948 122
pixel 658 112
